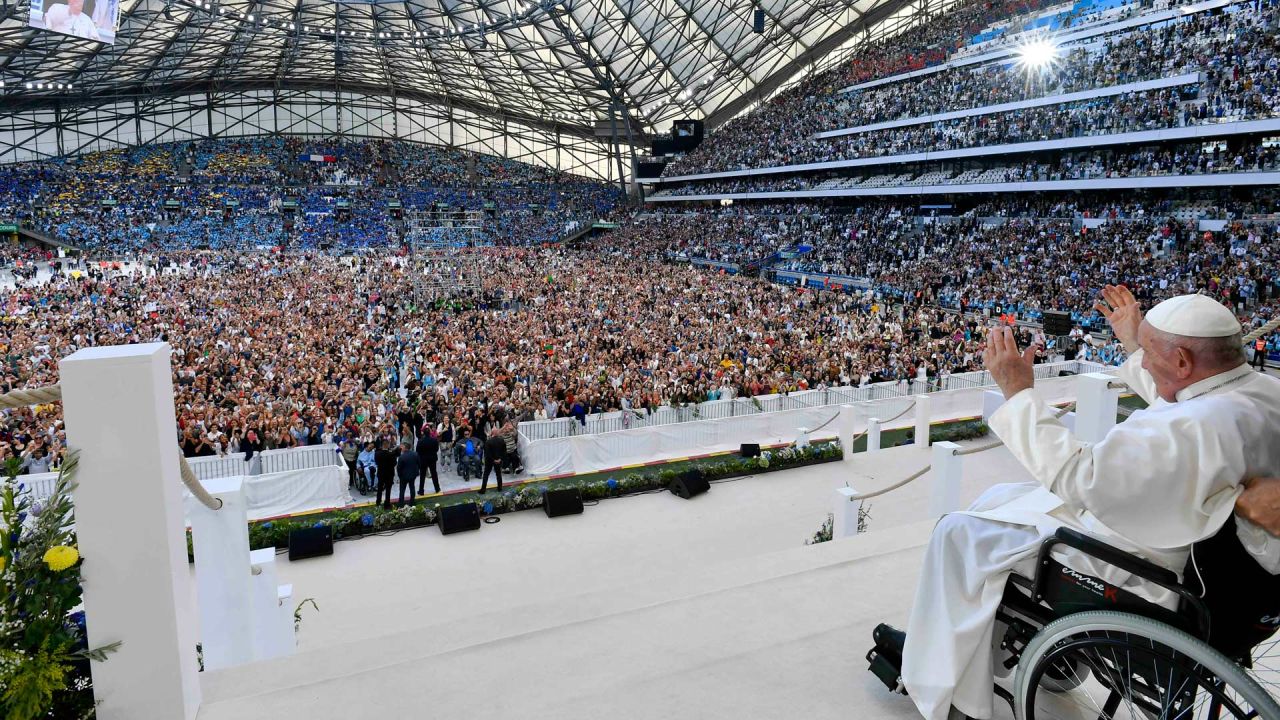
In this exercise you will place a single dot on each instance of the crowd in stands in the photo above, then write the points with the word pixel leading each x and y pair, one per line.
pixel 1120 162
pixel 1237 53
pixel 1023 266
pixel 175 196
pixel 307 348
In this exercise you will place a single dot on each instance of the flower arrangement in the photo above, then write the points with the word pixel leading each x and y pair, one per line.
pixel 44 652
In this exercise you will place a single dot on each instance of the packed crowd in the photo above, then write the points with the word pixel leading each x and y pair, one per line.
pixel 1237 53
pixel 228 194
pixel 1023 266
pixel 284 349
pixel 1199 158
pixel 307 348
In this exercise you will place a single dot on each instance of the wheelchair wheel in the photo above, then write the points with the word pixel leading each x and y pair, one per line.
pixel 1137 669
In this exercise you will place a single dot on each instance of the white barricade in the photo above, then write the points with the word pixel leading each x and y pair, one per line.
pixel 585 453
pixel 719 409
pixel 293 480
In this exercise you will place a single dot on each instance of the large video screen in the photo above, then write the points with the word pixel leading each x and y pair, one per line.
pixel 95 20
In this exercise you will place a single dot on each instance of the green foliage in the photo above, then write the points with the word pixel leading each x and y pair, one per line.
pixel 825 532
pixel 44 655
pixel 297 612
pixel 955 432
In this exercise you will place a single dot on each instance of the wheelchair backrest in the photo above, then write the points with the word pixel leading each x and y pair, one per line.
pixel 1242 597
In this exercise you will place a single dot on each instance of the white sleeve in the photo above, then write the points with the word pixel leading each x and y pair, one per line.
pixel 1162 479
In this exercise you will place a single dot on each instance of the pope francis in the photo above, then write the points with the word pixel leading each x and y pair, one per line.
pixel 1167 477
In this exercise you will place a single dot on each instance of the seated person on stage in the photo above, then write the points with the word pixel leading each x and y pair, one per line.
pixel 468 455
pixel 1164 479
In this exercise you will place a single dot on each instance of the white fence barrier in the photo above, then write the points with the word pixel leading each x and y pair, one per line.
pixel 293 480
pixel 593 453
pixel 720 409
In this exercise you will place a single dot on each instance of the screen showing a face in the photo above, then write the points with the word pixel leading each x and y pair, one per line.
pixel 95 20
pixel 683 129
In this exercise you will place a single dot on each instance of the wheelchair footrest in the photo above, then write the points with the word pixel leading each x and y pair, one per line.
pixel 889 672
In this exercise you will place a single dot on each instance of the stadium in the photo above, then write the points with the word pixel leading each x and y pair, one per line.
pixel 603 358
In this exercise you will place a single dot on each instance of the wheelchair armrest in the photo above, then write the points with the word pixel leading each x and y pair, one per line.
pixel 1089 545
pixel 1132 564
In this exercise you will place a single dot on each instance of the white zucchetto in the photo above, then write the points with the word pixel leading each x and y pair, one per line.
pixel 1193 316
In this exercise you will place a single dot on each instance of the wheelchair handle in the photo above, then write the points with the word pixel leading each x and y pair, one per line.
pixel 1115 557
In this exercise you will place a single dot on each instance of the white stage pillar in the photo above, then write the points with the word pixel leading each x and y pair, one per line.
pixel 924 412
pixel 1096 406
pixel 873 435
pixel 991 402
pixel 220 540
pixel 845 523
pixel 846 423
pixel 273 636
pixel 947 472
pixel 118 405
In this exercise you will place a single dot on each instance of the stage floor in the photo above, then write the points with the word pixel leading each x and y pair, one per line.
pixel 643 607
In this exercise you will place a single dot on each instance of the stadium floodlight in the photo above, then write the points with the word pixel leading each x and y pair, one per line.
pixel 1040 54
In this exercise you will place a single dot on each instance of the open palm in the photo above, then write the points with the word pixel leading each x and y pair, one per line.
pixel 1121 310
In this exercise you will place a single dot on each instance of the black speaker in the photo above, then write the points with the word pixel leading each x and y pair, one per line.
pixel 689 483
pixel 748 450
pixel 562 502
pixel 758 26
pixel 1065 373
pixel 1057 322
pixel 310 542
pixel 459 518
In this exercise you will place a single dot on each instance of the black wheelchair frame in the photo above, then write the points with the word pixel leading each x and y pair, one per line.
pixel 1056 591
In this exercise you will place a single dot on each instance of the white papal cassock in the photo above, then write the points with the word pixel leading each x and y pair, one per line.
pixel 1157 483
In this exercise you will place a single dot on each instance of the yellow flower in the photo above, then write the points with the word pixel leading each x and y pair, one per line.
pixel 2 563
pixel 61 557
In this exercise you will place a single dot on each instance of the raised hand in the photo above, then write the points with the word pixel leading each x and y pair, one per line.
pixel 1012 370
pixel 1120 308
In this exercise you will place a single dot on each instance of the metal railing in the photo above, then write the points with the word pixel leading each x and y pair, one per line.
pixel 719 409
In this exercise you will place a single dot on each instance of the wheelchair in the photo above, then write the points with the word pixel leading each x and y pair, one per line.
pixel 1082 647
pixel 469 466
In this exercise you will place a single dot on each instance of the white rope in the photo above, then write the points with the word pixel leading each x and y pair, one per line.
pixel 1272 325
pixel 965 451
pixel 53 393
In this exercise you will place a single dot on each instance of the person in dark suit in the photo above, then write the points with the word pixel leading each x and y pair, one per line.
pixel 407 469
pixel 495 451
pixel 428 455
pixel 385 460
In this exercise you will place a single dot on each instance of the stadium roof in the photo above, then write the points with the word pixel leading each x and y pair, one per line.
pixel 560 62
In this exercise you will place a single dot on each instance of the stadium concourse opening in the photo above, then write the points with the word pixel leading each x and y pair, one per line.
pixel 731 279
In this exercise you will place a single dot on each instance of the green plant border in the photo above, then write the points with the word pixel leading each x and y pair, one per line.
pixel 356 522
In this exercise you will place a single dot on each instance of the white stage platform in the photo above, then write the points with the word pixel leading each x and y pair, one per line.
pixel 643 607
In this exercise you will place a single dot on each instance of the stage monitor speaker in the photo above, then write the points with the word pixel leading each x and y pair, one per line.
pixel 310 542
pixel 689 483
pixel 749 450
pixel 1057 323
pixel 459 518
pixel 562 502
pixel 758 25
pixel 1065 373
